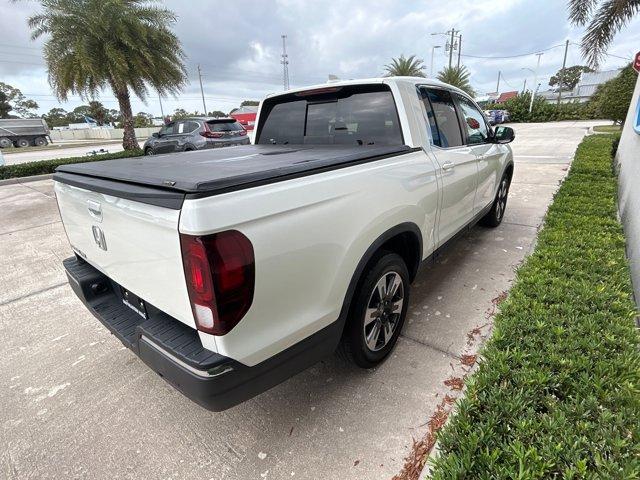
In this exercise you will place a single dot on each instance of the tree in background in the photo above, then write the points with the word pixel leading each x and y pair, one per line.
pixel 5 107
pixel 19 104
pixel 250 103
pixel 458 77
pixel 143 119
pixel 405 67
pixel 56 117
pixel 216 114
pixel 613 98
pixel 125 45
pixel 603 20
pixel 567 78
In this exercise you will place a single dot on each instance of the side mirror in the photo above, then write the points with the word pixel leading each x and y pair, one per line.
pixel 504 135
pixel 156 135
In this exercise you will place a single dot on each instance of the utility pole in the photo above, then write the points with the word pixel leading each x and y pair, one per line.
pixel 562 72
pixel 202 90
pixel 524 86
pixel 459 49
pixel 453 32
pixel 285 64
pixel 535 82
pixel 498 85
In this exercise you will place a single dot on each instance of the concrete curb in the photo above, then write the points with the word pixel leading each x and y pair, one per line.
pixel 33 178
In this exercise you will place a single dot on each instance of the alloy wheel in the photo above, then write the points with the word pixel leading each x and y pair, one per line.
pixel 501 200
pixel 383 311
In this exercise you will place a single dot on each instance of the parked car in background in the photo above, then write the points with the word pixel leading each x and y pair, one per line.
pixel 196 134
pixel 496 117
pixel 227 272
pixel 246 116
pixel 23 132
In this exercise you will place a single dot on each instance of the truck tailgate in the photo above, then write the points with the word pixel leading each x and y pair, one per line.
pixel 135 244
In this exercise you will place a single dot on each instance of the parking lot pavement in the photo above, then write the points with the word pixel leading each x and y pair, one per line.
pixel 13 156
pixel 77 404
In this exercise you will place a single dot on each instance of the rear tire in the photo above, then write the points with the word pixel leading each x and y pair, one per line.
pixel 22 142
pixel 40 142
pixel 496 214
pixel 149 151
pixel 378 311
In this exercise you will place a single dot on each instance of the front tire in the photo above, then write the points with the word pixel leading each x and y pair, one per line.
pixel 378 312
pixel 149 151
pixel 496 214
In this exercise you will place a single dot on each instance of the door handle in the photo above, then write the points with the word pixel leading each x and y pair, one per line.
pixel 446 166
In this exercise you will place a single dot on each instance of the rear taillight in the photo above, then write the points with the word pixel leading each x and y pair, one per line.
pixel 242 132
pixel 220 274
pixel 209 134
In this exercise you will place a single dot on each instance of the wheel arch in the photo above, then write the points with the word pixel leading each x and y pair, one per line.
pixel 404 239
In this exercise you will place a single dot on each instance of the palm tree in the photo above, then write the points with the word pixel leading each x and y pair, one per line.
pixel 125 45
pixel 604 20
pixel 405 67
pixel 458 77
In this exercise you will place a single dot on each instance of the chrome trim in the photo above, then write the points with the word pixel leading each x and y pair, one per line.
pixel 195 371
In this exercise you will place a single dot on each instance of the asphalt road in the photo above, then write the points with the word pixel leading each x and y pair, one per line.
pixel 77 404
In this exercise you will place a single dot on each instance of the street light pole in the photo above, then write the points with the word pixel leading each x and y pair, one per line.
pixel 433 49
pixel 535 82
pixel 459 49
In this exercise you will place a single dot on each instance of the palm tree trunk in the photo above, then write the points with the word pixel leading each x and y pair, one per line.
pixel 129 141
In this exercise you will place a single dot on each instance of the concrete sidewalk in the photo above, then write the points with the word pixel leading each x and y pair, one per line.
pixel 77 404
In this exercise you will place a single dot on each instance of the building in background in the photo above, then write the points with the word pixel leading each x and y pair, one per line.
pixel 584 90
pixel 246 116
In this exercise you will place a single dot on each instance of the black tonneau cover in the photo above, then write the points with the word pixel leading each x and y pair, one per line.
pixel 209 172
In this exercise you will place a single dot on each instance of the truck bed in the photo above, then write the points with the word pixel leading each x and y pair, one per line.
pixel 166 179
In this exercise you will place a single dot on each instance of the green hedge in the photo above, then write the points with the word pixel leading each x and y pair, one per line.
pixel 543 111
pixel 49 166
pixel 557 393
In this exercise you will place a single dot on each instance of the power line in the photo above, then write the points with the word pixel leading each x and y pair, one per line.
pixel 515 56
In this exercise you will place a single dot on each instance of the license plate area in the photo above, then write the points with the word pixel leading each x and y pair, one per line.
pixel 134 302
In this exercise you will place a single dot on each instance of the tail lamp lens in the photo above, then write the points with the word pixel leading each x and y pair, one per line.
pixel 220 274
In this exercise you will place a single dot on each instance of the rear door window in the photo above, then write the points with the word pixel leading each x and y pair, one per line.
pixel 229 126
pixel 443 120
pixel 473 120
pixel 362 115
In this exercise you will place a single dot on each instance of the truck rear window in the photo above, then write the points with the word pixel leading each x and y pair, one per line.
pixel 358 115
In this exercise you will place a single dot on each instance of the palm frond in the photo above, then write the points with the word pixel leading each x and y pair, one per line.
pixel 580 10
pixel 610 18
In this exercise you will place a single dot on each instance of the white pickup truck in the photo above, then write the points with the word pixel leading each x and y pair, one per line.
pixel 228 271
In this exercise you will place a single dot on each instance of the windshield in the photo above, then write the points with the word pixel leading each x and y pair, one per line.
pixel 361 115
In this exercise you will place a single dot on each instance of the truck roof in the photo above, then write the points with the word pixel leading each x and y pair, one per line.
pixel 370 81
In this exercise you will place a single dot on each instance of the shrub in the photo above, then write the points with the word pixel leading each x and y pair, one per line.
pixel 613 98
pixel 49 166
pixel 556 395
pixel 543 111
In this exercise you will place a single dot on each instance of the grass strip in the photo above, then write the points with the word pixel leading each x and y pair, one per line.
pixel 557 392
pixel 48 166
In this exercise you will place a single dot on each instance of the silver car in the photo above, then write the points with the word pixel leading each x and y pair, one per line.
pixel 196 134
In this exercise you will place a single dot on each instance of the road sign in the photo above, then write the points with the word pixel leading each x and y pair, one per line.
pixel 636 62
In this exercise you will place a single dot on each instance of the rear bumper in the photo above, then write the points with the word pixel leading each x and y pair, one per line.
pixel 174 351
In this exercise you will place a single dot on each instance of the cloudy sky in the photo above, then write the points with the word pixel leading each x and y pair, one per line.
pixel 238 44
